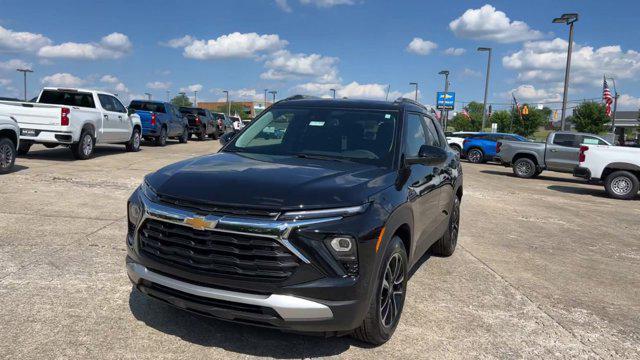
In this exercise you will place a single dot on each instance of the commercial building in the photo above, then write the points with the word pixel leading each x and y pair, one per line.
pixel 246 109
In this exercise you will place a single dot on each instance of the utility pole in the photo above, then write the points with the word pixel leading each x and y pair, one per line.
pixel 416 93
pixel 568 19
pixel 273 92
pixel 228 103
pixel 334 92
pixel 195 98
pixel 148 96
pixel 24 72
pixel 168 95
pixel 486 87
pixel 444 114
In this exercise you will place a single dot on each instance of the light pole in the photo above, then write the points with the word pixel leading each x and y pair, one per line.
pixel 265 98
pixel 486 86
pixel 148 96
pixel 195 98
pixel 416 85
pixel 228 103
pixel 168 95
pixel 568 19
pixel 273 92
pixel 24 72
pixel 446 90
pixel 334 92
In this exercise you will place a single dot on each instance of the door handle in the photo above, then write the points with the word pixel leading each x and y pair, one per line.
pixel 120 117
pixel 106 117
pixel 554 150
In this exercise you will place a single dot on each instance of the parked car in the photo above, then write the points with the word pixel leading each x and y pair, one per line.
pixel 559 153
pixel 324 227
pixel 482 147
pixel 9 140
pixel 225 125
pixel 237 123
pixel 76 118
pixel 161 121
pixel 202 123
pixel 456 139
pixel 618 167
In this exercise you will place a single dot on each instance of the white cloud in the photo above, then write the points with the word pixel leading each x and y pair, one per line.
pixel 234 45
pixel 285 65
pixel 366 91
pixel 626 101
pixel 471 72
pixel 316 89
pixel 245 94
pixel 327 3
pixel 62 79
pixel 5 82
pixel 284 5
pixel 13 64
pixel 487 23
pixel 109 79
pixel 21 41
pixel 192 88
pixel 544 61
pixel 455 51
pixel 179 42
pixel 529 94
pixel 159 85
pixel 421 47
pixel 112 46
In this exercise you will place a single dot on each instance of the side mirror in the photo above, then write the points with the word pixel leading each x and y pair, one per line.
pixel 428 155
pixel 225 138
pixel 130 111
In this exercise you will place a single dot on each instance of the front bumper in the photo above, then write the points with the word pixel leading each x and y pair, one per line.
pixel 582 172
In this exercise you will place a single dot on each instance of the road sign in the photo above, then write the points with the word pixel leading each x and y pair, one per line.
pixel 445 102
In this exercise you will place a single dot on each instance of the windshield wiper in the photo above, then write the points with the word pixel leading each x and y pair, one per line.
pixel 321 157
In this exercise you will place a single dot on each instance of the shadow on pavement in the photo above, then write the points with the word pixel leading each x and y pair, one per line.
pixel 17 168
pixel 243 339
pixel 64 153
pixel 597 192
pixel 541 177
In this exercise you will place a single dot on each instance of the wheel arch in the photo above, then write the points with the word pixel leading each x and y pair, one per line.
pixel 617 166
pixel 528 155
pixel 11 135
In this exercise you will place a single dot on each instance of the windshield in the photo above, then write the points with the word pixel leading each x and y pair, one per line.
pixel 147 106
pixel 364 136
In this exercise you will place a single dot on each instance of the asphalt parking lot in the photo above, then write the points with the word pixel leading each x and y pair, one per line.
pixel 544 268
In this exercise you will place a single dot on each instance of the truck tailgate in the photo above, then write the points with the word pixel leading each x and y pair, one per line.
pixel 145 119
pixel 29 114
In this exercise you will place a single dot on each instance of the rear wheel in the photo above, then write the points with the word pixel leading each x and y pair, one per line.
pixel 7 155
pixel 161 140
pixel 475 156
pixel 622 185
pixel 525 168
pixel 447 244
pixel 83 149
pixel 184 137
pixel 457 149
pixel 202 136
pixel 23 148
pixel 134 143
pixel 385 309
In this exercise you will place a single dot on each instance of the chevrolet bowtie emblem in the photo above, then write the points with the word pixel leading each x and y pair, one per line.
pixel 199 223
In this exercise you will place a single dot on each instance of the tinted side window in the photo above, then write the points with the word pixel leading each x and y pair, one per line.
pixel 118 105
pixel 414 135
pixel 106 102
pixel 432 133
pixel 565 140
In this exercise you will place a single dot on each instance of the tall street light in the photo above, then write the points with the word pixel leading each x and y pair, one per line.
pixel 446 90
pixel 273 92
pixel 416 85
pixel 195 98
pixel 228 103
pixel 333 91
pixel 168 95
pixel 486 86
pixel 148 96
pixel 24 72
pixel 568 19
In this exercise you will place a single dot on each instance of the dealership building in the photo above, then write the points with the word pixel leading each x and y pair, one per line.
pixel 246 109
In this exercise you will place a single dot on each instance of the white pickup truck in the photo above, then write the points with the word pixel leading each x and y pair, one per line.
pixel 76 118
pixel 617 166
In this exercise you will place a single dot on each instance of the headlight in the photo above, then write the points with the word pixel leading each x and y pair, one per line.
pixel 325 213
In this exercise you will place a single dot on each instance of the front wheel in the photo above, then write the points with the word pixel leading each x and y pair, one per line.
pixel 7 155
pixel 24 148
pixel 525 168
pixel 622 185
pixel 134 143
pixel 202 136
pixel 457 149
pixel 475 156
pixel 385 308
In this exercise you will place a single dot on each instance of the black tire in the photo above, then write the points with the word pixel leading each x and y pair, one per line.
pixel 84 148
pixel 447 244
pixel 134 143
pixel 7 155
pixel 475 156
pixel 214 135
pixel 622 185
pixel 202 135
pixel 184 137
pixel 457 149
pixel 23 148
pixel 378 326
pixel 161 140
pixel 525 168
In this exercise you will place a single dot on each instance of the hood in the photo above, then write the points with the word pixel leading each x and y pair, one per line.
pixel 270 182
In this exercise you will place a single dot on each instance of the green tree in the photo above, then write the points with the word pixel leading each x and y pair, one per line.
pixel 590 117
pixel 526 125
pixel 473 122
pixel 181 100
pixel 503 119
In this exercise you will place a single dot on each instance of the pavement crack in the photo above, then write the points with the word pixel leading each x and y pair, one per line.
pixel 535 304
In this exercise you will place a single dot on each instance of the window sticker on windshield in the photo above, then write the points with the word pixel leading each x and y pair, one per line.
pixel 387 116
pixel 316 123
pixel 590 141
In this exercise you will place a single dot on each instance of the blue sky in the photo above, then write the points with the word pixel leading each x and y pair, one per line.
pixel 309 46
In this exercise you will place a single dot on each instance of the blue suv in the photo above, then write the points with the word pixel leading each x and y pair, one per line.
pixel 482 147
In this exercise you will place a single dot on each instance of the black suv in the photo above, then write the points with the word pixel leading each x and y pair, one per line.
pixel 202 123
pixel 325 207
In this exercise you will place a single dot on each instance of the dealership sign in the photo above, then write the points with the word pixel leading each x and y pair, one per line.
pixel 447 101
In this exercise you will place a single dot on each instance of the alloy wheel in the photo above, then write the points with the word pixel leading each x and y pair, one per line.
pixel 136 140
pixel 475 156
pixel 524 168
pixel 87 145
pixel 6 156
pixel 621 185
pixel 454 224
pixel 392 294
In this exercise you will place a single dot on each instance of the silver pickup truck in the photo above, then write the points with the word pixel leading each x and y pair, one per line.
pixel 559 153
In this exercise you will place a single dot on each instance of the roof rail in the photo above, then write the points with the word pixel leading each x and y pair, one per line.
pixel 296 97
pixel 401 100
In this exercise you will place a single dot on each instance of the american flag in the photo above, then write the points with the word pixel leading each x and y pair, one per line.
pixel 606 96
pixel 517 105
pixel 466 113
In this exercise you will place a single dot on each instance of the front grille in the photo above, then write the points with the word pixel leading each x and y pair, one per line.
pixel 215 253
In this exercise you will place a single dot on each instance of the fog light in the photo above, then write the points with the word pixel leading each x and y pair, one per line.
pixel 342 244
